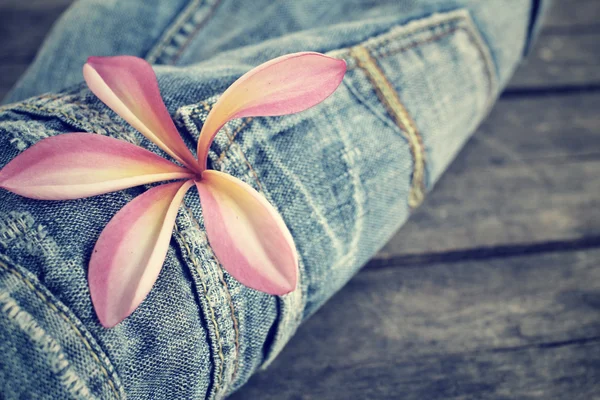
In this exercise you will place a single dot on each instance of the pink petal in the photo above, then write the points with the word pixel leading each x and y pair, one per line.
pixel 131 250
pixel 129 87
pixel 284 85
pixel 76 165
pixel 247 234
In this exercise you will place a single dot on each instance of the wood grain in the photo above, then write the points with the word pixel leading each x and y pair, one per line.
pixel 560 60
pixel 23 27
pixel 571 15
pixel 516 328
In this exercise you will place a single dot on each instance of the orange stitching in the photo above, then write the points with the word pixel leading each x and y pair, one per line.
pixel 388 95
pixel 254 174
pixel 484 61
pixel 229 298
pixel 233 135
pixel 207 106
pixel 43 297
pixel 391 101
pixel 260 188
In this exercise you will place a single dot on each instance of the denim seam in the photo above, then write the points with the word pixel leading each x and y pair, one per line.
pixel 451 21
pixel 233 361
pixel 368 52
pixel 291 305
pixel 236 327
pixel 72 119
pixel 45 96
pixel 180 34
pixel 43 297
pixel 465 24
pixel 192 257
pixel 233 136
pixel 228 295
pixel 39 338
pixel 31 107
pixel 391 101
pixel 446 23
pixel 166 39
pixel 244 158
pixel 418 43
pixel 62 99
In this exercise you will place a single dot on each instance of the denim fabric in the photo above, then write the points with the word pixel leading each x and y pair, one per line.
pixel 344 176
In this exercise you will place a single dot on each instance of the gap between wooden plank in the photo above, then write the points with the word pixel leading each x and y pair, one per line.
pixel 516 92
pixel 486 253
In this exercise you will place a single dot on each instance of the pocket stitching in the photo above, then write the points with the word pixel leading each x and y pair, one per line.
pixel 390 99
pixel 366 54
pixel 233 136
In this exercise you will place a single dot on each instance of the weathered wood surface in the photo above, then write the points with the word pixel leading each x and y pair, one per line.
pixel 492 289
pixel 23 26
pixel 561 62
pixel 517 328
pixel 572 15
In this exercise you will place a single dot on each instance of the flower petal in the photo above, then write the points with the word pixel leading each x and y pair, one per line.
pixel 247 234
pixel 76 165
pixel 284 85
pixel 131 250
pixel 129 87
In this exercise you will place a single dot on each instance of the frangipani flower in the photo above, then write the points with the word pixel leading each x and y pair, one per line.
pixel 248 236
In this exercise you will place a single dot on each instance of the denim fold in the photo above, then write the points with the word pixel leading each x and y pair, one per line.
pixel 344 175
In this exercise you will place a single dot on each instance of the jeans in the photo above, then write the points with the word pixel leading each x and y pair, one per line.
pixel 344 175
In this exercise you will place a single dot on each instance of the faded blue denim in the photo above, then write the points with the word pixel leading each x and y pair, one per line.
pixel 344 175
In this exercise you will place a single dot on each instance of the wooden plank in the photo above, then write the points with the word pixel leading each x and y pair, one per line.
pixel 561 60
pixel 530 174
pixel 23 27
pixel 514 328
pixel 529 373
pixel 571 15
